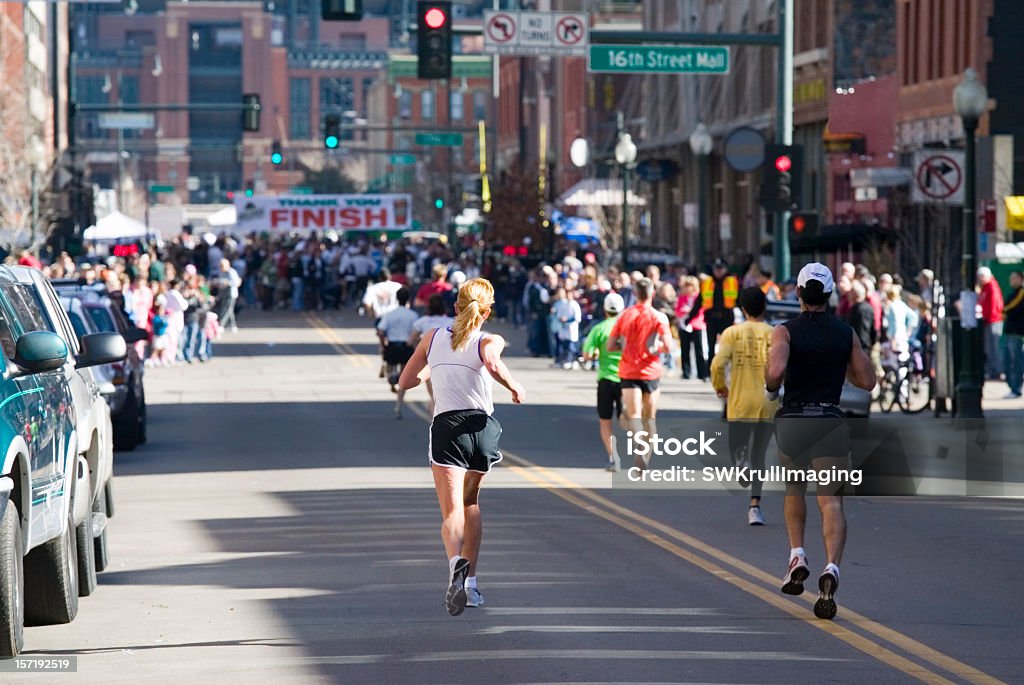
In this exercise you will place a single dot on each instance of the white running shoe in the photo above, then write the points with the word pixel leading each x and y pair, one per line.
pixel 474 598
pixel 455 598
pixel 754 517
pixel 793 581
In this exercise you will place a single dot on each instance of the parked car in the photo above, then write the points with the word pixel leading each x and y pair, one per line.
pixel 122 383
pixel 855 402
pixel 45 488
pixel 93 423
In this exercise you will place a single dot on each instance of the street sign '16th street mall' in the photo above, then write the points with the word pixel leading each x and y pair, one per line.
pixel 659 59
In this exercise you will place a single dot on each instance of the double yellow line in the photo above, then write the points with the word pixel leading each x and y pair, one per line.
pixel 737 572
pixel 330 335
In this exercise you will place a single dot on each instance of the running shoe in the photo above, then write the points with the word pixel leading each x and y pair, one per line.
pixel 455 599
pixel 793 581
pixel 474 598
pixel 825 607
pixel 754 517
pixel 613 465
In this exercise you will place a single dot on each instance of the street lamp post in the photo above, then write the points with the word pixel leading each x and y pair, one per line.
pixel 969 99
pixel 700 144
pixel 36 158
pixel 625 156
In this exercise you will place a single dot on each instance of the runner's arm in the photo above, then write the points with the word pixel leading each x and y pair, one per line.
pixel 718 363
pixel 665 331
pixel 615 337
pixel 416 370
pixel 490 351
pixel 860 372
pixel 778 358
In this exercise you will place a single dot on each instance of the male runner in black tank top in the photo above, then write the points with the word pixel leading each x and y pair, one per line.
pixel 812 356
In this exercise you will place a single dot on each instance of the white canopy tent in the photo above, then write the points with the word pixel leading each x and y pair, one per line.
pixel 603 192
pixel 223 217
pixel 116 227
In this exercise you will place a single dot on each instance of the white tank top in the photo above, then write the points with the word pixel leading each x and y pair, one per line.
pixel 459 379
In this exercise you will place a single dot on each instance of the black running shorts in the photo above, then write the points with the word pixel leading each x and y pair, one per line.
pixel 609 399
pixel 397 353
pixel 805 433
pixel 646 387
pixel 465 439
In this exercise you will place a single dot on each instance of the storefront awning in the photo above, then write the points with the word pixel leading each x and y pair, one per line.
pixel 598 192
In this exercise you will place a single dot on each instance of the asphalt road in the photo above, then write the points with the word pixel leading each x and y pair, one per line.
pixel 281 527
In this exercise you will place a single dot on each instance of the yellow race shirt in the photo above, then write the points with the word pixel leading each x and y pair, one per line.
pixel 744 349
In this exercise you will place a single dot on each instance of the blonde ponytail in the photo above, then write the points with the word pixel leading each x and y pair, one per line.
pixel 474 305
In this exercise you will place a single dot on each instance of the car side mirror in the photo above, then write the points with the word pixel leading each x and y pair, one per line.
pixel 135 334
pixel 101 348
pixel 39 352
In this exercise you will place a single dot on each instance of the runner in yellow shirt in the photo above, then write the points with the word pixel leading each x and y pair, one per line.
pixel 744 349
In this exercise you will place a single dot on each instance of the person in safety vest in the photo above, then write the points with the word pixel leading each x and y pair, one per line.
pixel 718 294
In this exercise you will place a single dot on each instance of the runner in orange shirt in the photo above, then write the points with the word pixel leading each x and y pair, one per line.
pixel 642 334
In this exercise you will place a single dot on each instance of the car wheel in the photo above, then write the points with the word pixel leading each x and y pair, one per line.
pixel 51 580
pixel 86 557
pixel 142 419
pixel 108 497
pixel 12 584
pixel 100 552
pixel 126 429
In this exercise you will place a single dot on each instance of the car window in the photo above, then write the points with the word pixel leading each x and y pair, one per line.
pixel 60 320
pixel 100 318
pixel 78 324
pixel 6 337
pixel 27 307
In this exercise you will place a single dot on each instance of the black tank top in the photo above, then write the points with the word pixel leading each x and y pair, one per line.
pixel 819 352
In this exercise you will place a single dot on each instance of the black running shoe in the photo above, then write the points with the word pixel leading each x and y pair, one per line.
pixel 455 599
pixel 793 581
pixel 825 607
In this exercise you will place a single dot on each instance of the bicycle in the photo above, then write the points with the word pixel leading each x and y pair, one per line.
pixel 907 385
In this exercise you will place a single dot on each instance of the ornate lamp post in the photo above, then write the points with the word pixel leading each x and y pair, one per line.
pixel 969 100
pixel 701 144
pixel 625 156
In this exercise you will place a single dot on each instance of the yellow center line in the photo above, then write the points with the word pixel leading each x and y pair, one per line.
pixel 332 338
pixel 599 506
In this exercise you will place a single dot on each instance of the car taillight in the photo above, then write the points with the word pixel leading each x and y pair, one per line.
pixel 119 377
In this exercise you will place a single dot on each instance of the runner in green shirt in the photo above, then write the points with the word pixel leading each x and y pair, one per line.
pixel 609 388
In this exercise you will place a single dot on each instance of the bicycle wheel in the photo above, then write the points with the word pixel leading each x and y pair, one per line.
pixel 887 390
pixel 915 393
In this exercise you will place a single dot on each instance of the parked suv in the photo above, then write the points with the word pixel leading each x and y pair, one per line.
pixel 45 488
pixel 123 384
pixel 93 424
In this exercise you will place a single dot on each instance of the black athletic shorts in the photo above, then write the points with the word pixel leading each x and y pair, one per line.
pixel 646 387
pixel 465 439
pixel 609 399
pixel 805 433
pixel 397 353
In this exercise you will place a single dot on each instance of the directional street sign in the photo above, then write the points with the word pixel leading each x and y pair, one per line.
pixel 659 59
pixel 403 159
pixel 439 139
pixel 938 177
pixel 158 188
pixel 536 33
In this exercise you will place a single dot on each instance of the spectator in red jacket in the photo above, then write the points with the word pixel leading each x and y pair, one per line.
pixel 990 301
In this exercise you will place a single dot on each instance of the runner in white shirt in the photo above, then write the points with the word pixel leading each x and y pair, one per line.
pixel 464 435
pixel 393 330
pixel 435 318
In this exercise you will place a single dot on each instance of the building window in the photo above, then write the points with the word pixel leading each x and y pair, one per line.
pixel 336 95
pixel 298 107
pixel 427 105
pixel 352 41
pixel 456 106
pixel 480 105
pixel 405 104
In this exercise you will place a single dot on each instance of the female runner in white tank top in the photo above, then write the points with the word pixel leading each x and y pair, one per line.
pixel 460 360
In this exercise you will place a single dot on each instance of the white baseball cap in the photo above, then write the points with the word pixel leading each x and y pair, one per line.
pixel 816 272
pixel 613 303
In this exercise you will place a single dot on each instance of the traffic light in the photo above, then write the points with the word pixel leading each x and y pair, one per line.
pixel 783 178
pixel 803 225
pixel 439 203
pixel 332 131
pixel 341 10
pixel 434 40
pixel 249 188
pixel 250 112
pixel 275 153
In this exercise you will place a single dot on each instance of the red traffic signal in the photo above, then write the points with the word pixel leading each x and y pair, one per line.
pixel 783 163
pixel 799 224
pixel 435 17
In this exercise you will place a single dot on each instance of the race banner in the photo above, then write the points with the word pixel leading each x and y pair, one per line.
pixel 284 213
